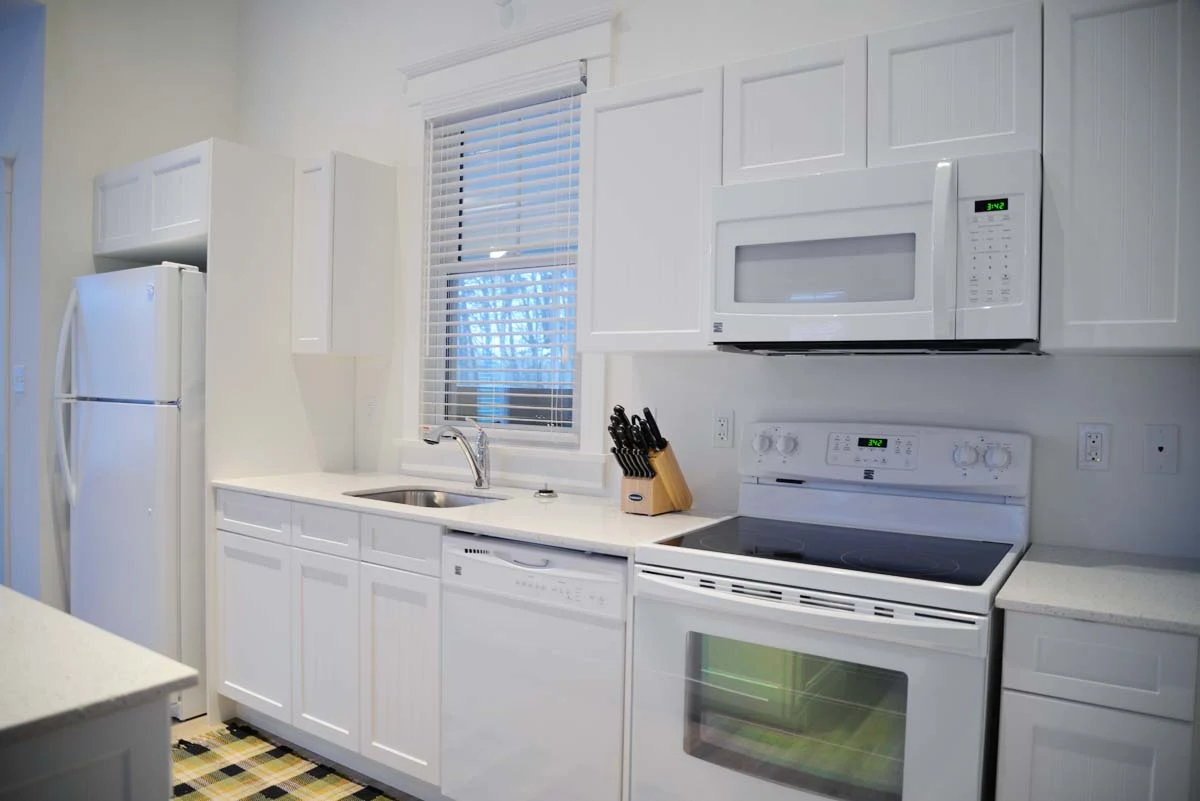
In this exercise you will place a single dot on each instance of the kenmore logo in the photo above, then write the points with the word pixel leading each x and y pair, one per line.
pixel 869 475
pixel 718 328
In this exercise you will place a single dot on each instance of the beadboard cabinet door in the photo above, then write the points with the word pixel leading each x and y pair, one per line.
pixel 325 646
pixel 650 157
pixel 254 623
pixel 796 113
pixel 1121 247
pixel 400 690
pixel 963 86
pixel 1052 750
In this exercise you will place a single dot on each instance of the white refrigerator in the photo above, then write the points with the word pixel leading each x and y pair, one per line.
pixel 129 417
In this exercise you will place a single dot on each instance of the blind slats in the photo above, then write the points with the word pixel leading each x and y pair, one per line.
pixel 502 233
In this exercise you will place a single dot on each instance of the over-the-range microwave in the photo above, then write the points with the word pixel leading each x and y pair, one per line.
pixel 937 256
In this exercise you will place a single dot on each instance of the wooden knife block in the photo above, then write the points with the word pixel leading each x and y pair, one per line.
pixel 666 492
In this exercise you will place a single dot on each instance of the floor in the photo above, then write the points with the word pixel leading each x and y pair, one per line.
pixel 190 728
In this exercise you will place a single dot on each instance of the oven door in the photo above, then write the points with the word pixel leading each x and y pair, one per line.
pixel 863 255
pixel 745 690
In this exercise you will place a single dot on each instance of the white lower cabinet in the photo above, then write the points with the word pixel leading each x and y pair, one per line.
pixel 254 623
pixel 325 645
pixel 1053 750
pixel 399 663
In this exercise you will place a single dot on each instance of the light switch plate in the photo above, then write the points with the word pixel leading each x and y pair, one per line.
pixel 1162 448
pixel 1094 443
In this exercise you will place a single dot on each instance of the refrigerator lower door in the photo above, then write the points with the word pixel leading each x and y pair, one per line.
pixel 128 335
pixel 125 536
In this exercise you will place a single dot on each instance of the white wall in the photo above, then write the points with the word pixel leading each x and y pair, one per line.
pixel 124 79
pixel 316 75
pixel 22 44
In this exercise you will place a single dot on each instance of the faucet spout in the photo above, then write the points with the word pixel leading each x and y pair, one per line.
pixel 478 457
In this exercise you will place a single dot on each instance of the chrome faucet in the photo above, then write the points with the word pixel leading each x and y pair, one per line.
pixel 477 457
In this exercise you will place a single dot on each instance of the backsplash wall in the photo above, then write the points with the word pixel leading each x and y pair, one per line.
pixel 1122 508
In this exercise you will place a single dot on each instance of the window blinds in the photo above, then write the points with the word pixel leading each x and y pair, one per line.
pixel 502 217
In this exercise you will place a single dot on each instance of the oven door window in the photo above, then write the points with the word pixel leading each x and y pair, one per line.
pixel 817 724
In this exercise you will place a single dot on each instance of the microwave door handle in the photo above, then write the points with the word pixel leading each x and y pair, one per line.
pixel 944 250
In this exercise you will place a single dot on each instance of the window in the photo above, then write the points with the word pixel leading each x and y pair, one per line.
pixel 502 216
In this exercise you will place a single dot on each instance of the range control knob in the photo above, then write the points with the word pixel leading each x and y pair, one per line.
pixel 997 457
pixel 787 445
pixel 762 443
pixel 965 455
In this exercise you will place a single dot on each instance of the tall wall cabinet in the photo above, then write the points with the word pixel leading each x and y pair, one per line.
pixel 1121 167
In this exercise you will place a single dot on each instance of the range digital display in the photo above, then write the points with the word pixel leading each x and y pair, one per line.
pixel 872 442
pixel 995 204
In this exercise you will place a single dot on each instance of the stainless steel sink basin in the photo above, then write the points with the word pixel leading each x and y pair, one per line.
pixel 423 496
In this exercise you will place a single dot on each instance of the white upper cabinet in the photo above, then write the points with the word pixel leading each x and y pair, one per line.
pixel 343 256
pixel 156 209
pixel 962 86
pixel 324 646
pixel 796 113
pixel 651 155
pixel 1121 249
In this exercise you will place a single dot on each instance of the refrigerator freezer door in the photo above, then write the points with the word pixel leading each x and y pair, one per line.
pixel 125 524
pixel 127 335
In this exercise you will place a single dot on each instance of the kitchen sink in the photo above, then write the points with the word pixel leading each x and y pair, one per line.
pixel 423 496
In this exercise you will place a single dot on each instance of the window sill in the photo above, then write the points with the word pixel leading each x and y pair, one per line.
pixel 512 466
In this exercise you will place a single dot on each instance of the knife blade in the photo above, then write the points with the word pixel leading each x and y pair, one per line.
pixel 660 442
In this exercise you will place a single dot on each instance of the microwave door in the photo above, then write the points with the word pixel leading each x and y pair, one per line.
pixel 844 257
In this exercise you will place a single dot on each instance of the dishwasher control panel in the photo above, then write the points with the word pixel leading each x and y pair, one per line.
pixel 556 577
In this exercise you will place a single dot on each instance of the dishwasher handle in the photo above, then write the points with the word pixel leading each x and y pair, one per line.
pixel 541 564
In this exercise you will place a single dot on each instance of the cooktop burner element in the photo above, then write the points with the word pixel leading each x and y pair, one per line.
pixel 928 558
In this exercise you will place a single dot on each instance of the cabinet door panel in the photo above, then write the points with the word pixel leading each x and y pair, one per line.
pixel 325 646
pixel 796 113
pixel 1122 176
pixel 651 155
pixel 400 685
pixel 962 86
pixel 325 529
pixel 179 183
pixel 254 623
pixel 312 254
pixel 121 213
pixel 1052 750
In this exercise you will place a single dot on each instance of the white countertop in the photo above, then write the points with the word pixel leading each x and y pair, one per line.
pixel 569 521
pixel 56 670
pixel 1149 592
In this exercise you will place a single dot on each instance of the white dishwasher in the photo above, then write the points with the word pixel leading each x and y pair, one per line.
pixel 533 671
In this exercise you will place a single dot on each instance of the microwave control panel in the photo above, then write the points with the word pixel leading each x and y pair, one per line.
pixel 991 240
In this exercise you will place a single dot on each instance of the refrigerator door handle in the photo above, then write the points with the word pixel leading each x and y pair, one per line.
pixel 61 399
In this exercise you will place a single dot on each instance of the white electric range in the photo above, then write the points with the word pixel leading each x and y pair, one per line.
pixel 835 640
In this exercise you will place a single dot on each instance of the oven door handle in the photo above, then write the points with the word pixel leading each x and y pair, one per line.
pixel 939 633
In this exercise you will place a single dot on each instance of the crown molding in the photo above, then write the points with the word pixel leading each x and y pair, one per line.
pixel 585 19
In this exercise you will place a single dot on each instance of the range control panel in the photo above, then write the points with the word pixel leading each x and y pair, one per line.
pixel 991 238
pixel 955 459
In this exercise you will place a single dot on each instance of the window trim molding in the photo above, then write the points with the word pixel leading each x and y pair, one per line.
pixel 580 469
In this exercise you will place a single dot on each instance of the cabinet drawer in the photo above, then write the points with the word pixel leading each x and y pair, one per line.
pixel 254 515
pixel 405 544
pixel 1112 666
pixel 325 529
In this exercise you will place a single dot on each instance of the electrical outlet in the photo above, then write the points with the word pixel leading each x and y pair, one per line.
pixel 1094 442
pixel 723 428
pixel 1162 448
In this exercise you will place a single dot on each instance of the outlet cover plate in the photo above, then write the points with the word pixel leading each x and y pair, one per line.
pixel 723 428
pixel 1094 443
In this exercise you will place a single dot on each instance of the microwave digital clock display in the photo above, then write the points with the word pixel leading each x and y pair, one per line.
pixel 872 442
pixel 995 204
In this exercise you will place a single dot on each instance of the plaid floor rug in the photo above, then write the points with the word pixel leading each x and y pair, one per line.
pixel 235 764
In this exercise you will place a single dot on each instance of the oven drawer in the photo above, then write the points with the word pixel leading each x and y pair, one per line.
pixel 1152 672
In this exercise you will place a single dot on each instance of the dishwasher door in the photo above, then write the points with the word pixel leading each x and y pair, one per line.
pixel 533 671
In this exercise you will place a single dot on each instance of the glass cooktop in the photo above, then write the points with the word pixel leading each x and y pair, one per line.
pixel 949 561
